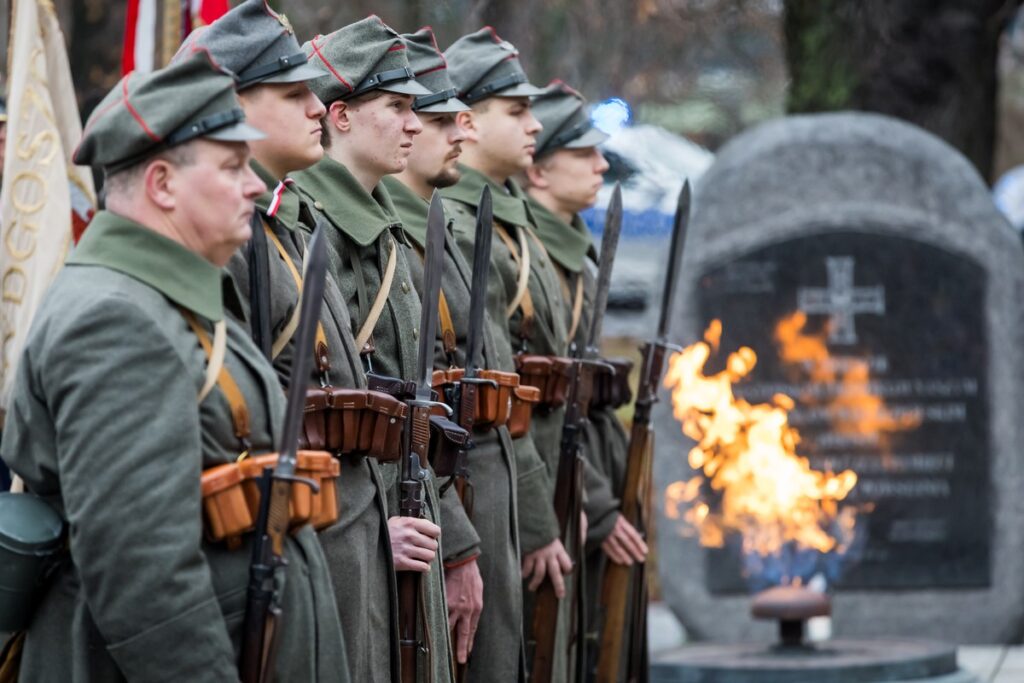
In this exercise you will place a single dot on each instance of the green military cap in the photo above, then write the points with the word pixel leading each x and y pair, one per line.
pixel 431 71
pixel 361 57
pixel 483 65
pixel 256 43
pixel 563 113
pixel 147 113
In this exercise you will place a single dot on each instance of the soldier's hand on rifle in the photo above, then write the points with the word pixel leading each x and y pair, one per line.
pixel 624 545
pixel 550 561
pixel 584 526
pixel 413 543
pixel 465 590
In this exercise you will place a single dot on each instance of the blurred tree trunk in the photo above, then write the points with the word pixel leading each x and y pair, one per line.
pixel 929 62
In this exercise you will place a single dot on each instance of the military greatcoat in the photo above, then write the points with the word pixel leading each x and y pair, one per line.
pixel 547 337
pixel 366 228
pixel 605 443
pixel 106 425
pixel 363 579
pixel 492 462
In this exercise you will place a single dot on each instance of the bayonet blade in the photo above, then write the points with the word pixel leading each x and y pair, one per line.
pixel 675 259
pixel 478 291
pixel 609 244
pixel 310 302
pixel 433 266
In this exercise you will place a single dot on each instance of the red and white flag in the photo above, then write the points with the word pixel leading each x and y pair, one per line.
pixel 46 200
pixel 177 18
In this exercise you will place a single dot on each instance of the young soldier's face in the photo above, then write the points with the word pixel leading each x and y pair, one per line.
pixel 381 133
pixel 507 133
pixel 289 114
pixel 214 199
pixel 435 154
pixel 574 176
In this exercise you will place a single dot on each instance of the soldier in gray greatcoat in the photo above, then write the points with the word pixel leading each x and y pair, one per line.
pixel 113 418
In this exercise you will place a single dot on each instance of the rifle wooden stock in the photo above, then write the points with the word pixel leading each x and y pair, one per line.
pixel 622 603
pixel 568 505
pixel 411 505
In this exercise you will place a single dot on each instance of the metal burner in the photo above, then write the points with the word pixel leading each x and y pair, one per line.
pixel 792 606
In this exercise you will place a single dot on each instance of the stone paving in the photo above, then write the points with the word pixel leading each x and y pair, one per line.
pixel 989 663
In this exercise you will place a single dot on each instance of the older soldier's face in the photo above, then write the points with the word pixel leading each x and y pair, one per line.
pixel 574 176
pixel 215 199
pixel 507 133
pixel 381 133
pixel 435 155
pixel 289 114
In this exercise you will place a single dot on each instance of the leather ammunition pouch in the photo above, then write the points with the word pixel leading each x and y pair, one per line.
pixel 447 440
pixel 524 398
pixel 353 421
pixel 550 374
pixel 611 388
pixel 493 405
pixel 231 494
pixel 392 386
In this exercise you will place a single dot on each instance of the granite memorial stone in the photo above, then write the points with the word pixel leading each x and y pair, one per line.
pixel 865 263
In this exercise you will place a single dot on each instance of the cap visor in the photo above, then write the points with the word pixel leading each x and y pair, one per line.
pixel 452 105
pixel 520 90
pixel 300 73
pixel 592 138
pixel 409 87
pixel 239 132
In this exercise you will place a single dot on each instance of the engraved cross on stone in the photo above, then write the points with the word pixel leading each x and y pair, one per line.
pixel 841 300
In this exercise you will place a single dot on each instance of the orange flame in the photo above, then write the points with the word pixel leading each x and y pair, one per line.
pixel 746 454
pixel 855 409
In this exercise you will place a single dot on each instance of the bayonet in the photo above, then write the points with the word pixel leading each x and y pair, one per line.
pixel 609 245
pixel 478 290
pixel 675 259
pixel 623 600
pixel 263 600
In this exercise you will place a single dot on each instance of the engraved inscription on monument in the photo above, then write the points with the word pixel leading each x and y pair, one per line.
pixel 881 344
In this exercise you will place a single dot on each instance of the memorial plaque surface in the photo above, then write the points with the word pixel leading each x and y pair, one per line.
pixel 899 398
pixel 865 263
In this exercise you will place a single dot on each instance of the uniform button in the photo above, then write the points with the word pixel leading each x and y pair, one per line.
pixel 405 287
pixel 318 206
pixel 415 334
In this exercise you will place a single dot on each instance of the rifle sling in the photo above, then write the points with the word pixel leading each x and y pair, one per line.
pixel 320 356
pixel 577 302
pixel 215 352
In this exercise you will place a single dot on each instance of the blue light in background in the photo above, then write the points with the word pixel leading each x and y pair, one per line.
pixel 611 115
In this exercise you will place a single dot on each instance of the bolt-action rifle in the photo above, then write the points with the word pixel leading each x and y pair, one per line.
pixel 263 608
pixel 414 473
pixel 623 600
pixel 569 478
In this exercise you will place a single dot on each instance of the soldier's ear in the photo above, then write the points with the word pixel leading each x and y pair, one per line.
pixel 339 116
pixel 467 122
pixel 161 185
pixel 535 177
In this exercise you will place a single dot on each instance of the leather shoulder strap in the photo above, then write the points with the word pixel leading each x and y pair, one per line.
pixel 215 365
pixel 321 356
pixel 521 255
pixel 382 296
